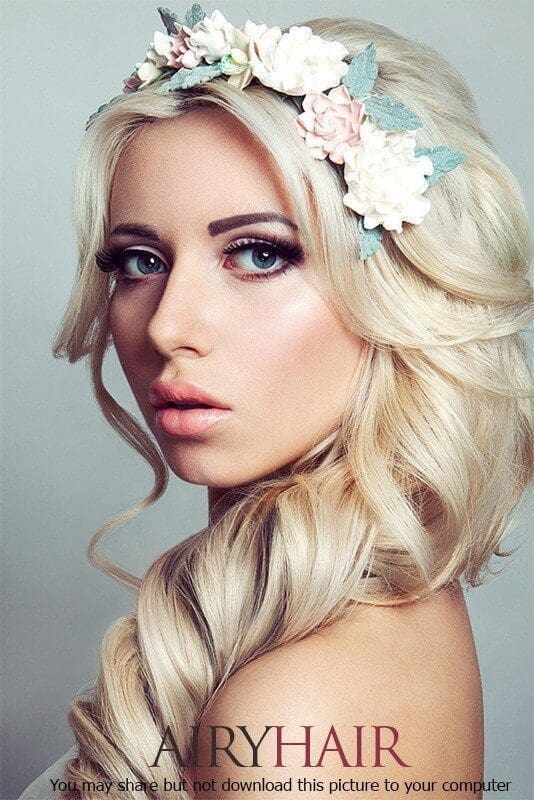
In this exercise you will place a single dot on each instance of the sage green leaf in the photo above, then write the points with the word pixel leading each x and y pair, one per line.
pixel 102 107
pixel 443 160
pixel 194 14
pixel 391 114
pixel 363 70
pixel 370 239
pixel 187 78
pixel 170 20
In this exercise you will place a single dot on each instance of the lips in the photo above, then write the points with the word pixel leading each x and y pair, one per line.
pixel 182 394
pixel 189 422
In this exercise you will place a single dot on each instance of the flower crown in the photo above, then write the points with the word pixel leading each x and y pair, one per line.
pixel 372 135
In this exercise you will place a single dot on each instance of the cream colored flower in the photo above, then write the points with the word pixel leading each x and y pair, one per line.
pixel 215 37
pixel 148 72
pixel 152 67
pixel 160 49
pixel 385 179
pixel 242 77
pixel 297 62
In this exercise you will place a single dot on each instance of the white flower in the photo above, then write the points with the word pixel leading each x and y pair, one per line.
pixel 156 59
pixel 148 72
pixel 385 179
pixel 215 37
pixel 240 78
pixel 159 50
pixel 297 62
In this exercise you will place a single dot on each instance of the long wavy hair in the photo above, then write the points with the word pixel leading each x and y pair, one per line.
pixel 414 490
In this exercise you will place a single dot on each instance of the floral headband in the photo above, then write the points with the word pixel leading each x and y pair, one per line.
pixel 370 134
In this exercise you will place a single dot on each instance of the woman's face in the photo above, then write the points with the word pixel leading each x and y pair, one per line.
pixel 268 348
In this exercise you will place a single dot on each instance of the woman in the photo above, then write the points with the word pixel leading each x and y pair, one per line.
pixel 367 432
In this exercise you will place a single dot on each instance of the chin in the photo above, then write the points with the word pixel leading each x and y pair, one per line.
pixel 210 471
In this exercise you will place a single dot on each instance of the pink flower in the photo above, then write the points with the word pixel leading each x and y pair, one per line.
pixel 182 54
pixel 132 83
pixel 330 122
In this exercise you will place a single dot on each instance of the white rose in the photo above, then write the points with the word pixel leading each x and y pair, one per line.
pixel 159 50
pixel 385 179
pixel 148 72
pixel 214 37
pixel 162 46
pixel 239 69
pixel 297 62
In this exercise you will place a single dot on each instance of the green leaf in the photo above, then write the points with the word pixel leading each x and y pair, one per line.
pixel 370 239
pixel 194 14
pixel 391 114
pixel 187 78
pixel 363 70
pixel 443 160
pixel 170 20
pixel 102 107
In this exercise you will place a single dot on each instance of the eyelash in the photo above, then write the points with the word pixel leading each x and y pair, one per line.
pixel 111 259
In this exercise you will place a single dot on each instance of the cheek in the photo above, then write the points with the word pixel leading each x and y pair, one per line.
pixel 300 365
pixel 128 331
pixel 119 317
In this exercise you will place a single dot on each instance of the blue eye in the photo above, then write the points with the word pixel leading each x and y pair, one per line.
pixel 142 260
pixel 114 258
pixel 263 257
pixel 255 258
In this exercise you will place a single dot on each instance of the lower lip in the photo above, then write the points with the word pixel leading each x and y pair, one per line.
pixel 188 421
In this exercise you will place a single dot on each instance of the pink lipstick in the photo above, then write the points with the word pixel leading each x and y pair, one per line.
pixel 183 409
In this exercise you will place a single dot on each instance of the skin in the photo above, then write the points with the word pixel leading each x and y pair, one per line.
pixel 272 350
pixel 412 667
pixel 278 356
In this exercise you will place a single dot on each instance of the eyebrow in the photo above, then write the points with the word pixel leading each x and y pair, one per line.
pixel 222 225
pixel 214 228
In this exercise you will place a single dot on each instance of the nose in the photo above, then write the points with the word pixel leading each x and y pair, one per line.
pixel 181 321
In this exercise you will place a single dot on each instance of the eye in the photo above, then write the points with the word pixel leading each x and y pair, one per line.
pixel 254 259
pixel 259 259
pixel 137 263
pixel 131 265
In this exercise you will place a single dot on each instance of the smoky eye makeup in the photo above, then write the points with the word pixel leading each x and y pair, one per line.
pixel 250 258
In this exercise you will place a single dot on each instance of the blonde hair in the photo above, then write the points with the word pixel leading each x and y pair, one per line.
pixel 410 494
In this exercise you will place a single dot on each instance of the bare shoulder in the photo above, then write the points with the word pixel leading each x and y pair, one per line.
pixel 387 692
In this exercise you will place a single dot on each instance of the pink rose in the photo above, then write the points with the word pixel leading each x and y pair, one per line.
pixel 182 54
pixel 131 84
pixel 330 122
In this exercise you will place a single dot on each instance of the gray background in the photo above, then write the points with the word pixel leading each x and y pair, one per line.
pixel 65 472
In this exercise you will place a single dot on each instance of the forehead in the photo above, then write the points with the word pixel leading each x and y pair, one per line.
pixel 203 165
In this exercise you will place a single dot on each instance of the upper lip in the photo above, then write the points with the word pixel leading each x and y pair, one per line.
pixel 162 394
